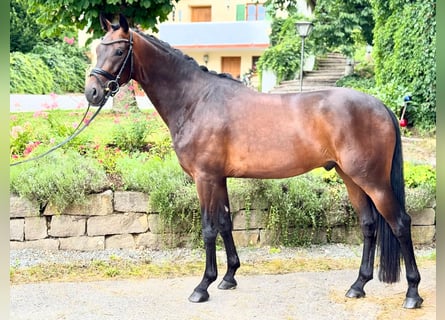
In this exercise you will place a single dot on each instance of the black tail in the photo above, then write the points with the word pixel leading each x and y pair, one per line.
pixel 390 254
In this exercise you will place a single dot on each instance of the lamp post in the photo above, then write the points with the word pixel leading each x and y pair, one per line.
pixel 304 28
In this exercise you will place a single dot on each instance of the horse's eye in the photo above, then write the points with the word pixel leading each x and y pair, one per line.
pixel 119 52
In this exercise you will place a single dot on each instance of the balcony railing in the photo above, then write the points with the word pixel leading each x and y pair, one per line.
pixel 254 34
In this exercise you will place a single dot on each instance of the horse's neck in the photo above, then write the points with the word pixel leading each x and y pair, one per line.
pixel 169 90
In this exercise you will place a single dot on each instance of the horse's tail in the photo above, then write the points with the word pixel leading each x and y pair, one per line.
pixel 390 254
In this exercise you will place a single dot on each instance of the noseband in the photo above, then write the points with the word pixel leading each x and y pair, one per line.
pixel 111 87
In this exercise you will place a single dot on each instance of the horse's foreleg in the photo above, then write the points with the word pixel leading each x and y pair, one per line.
pixel 209 233
pixel 215 218
pixel 233 262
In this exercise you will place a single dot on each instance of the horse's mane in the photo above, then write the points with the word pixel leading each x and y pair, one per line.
pixel 178 53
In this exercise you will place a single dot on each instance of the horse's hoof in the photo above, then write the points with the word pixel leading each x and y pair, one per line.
pixel 412 303
pixel 199 296
pixel 354 293
pixel 226 285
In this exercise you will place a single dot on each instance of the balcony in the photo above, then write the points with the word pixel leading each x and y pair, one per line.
pixel 216 35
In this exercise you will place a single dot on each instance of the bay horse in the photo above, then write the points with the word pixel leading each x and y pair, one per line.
pixel 220 128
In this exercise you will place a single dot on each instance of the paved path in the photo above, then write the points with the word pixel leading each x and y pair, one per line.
pixel 303 295
pixel 36 102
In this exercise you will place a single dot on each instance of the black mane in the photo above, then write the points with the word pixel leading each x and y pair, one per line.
pixel 168 48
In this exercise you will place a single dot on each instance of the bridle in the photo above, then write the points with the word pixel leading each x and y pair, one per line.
pixel 111 87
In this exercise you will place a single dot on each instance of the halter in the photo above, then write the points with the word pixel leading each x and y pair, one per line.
pixel 111 87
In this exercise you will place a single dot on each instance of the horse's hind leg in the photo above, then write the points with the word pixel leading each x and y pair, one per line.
pixel 400 227
pixel 215 217
pixel 367 217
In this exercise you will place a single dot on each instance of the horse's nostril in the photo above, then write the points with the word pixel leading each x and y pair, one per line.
pixel 94 92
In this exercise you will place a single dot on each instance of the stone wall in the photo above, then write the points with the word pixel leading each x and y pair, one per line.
pixel 125 220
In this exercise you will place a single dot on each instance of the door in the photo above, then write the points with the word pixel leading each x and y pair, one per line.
pixel 231 65
pixel 201 14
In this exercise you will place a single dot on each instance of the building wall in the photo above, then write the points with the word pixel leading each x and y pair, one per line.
pixel 222 10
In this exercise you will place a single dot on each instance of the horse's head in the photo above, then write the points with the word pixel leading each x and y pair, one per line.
pixel 114 62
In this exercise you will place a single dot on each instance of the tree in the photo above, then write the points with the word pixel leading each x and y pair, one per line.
pixel 23 29
pixel 288 4
pixel 339 25
pixel 285 43
pixel 405 57
pixel 57 15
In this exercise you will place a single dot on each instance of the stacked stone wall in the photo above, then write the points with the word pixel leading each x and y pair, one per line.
pixel 125 220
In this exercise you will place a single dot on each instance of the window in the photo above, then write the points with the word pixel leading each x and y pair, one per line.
pixel 201 14
pixel 254 62
pixel 255 11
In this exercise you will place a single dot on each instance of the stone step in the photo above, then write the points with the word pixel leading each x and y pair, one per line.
pixel 330 68
pixel 296 90
pixel 325 71
pixel 323 77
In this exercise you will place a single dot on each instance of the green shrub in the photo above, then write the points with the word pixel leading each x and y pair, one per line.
pixel 296 210
pixel 58 178
pixel 416 175
pixel 132 136
pixel 172 192
pixel 355 81
pixel 67 63
pixel 420 186
pixel 29 74
pixel 299 207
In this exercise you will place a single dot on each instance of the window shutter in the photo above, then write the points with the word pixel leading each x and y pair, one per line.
pixel 268 16
pixel 240 12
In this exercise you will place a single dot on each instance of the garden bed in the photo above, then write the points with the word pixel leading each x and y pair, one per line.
pixel 132 152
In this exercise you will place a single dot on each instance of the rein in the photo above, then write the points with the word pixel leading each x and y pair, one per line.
pixel 111 88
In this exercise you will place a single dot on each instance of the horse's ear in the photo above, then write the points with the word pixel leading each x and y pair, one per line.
pixel 123 22
pixel 104 23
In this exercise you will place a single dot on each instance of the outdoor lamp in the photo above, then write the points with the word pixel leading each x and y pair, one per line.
pixel 304 28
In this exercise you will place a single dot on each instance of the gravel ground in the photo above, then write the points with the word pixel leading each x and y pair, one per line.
pixel 32 257
pixel 299 295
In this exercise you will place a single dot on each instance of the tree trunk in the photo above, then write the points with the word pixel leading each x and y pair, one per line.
pixel 125 100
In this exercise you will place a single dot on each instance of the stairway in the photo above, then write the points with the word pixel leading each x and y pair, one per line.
pixel 329 70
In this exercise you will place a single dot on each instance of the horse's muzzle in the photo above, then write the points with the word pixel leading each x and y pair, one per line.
pixel 94 93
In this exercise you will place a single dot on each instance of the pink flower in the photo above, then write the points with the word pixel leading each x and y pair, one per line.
pixel 40 114
pixel 30 147
pixel 70 41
